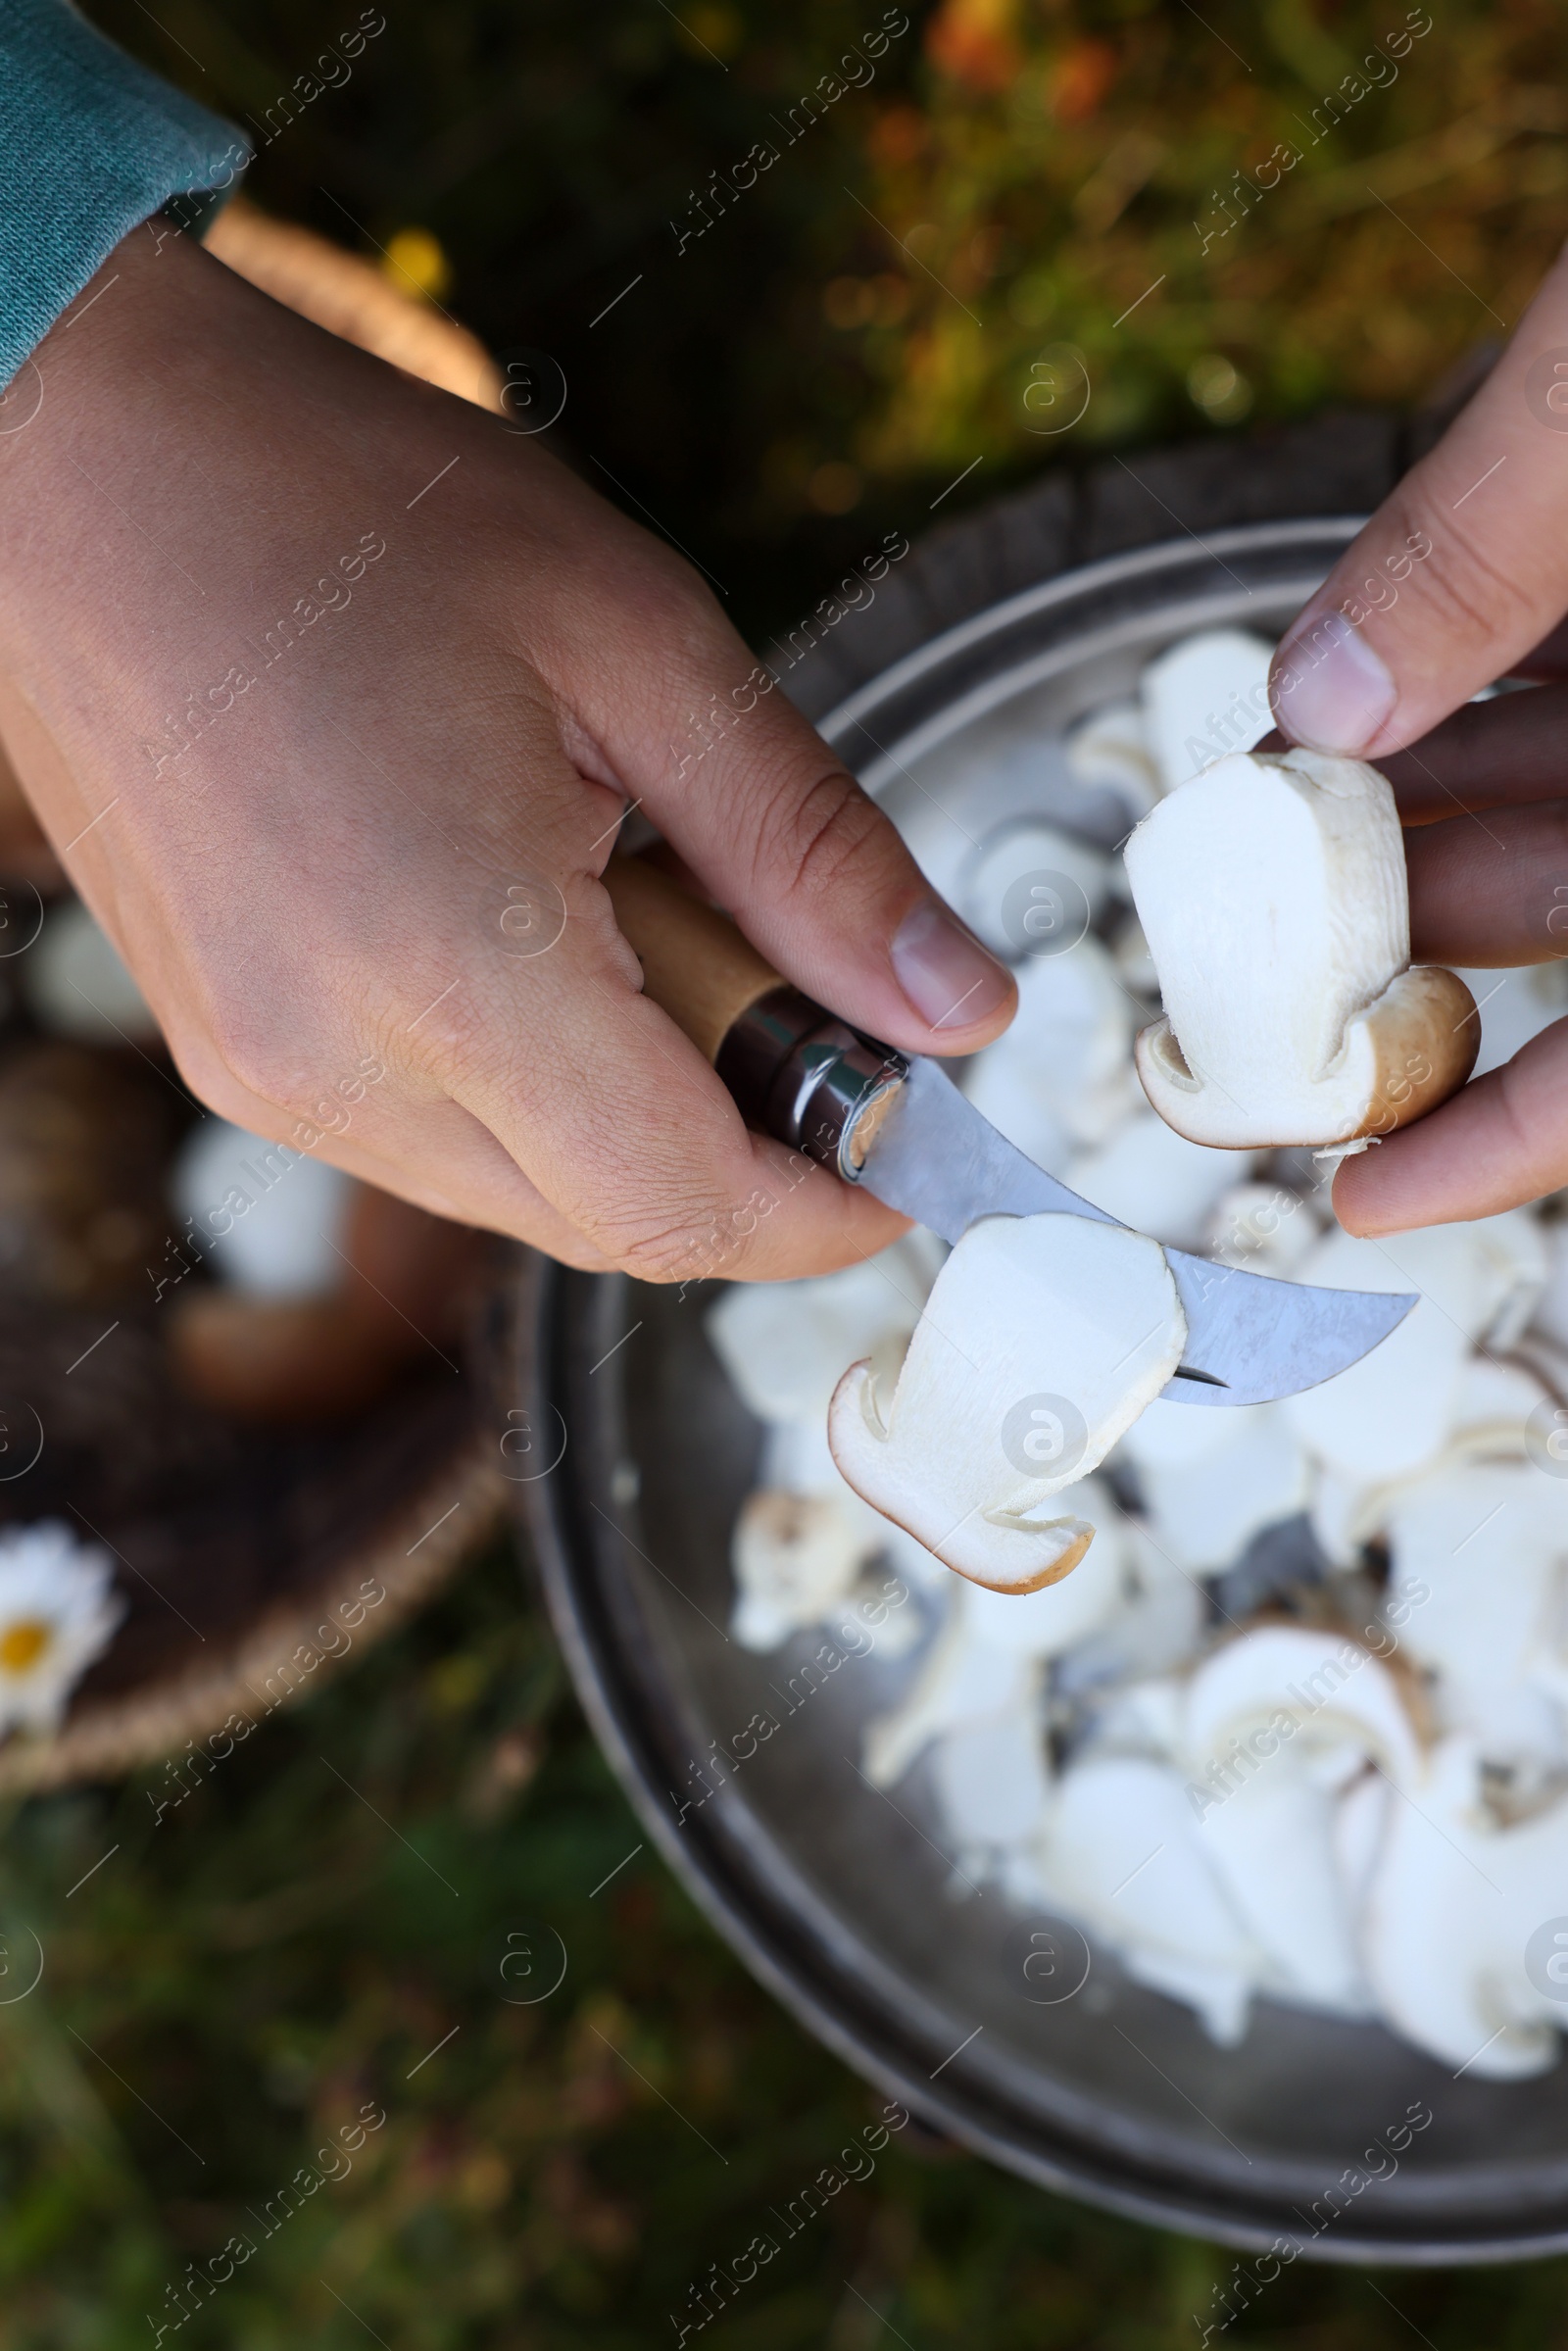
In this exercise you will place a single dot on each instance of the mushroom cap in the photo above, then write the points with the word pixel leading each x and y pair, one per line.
pixel 1110 747
pixel 1272 889
pixel 285 1210
pixel 1043 1339
pixel 1330 1691
pixel 1027 845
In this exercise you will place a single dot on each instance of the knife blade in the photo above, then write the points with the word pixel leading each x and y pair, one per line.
pixel 899 1125
pixel 1249 1338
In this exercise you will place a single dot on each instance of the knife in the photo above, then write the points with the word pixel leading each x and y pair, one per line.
pixel 897 1124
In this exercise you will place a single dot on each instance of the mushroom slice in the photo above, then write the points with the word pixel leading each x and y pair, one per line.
pixel 1206 1512
pixel 1334 1510
pixel 1014 854
pixel 1495 1402
pixel 785 1344
pixel 1206 697
pixel 1390 1413
pixel 1360 1823
pixel 1139 1717
pixel 1261 1228
pixel 1497 1399
pixel 1272 889
pixel 978 1692
pixel 1272 1847
pixel 1110 747
pixel 1004 1091
pixel 1155 1180
pixel 1068 1053
pixel 1289 1686
pixel 1158 1626
pixel 796 1458
pixel 1452 1910
pixel 962 1680
pixel 992 1786
pixel 1043 1339
pixel 1485 1275
pixel 1122 1854
pixel 1171 1436
pixel 796 1557
pixel 1480 1556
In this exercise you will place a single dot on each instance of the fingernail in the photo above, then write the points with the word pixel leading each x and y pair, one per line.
pixel 945 975
pixel 1329 689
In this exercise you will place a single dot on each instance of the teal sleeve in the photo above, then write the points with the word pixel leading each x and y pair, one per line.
pixel 90 145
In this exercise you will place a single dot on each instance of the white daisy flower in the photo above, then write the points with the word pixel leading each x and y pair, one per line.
pixel 57 1615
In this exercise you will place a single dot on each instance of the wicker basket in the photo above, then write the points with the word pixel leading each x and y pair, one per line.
pixel 247 1560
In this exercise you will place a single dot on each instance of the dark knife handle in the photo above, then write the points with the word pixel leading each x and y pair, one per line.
pixel 795 1071
pixel 799 1073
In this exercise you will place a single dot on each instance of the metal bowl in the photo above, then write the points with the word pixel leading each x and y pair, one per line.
pixel 837 1896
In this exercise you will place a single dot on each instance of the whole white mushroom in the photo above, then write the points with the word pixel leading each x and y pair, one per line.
pixel 1273 894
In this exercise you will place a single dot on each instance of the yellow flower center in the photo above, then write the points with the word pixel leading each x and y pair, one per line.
pixel 23 1643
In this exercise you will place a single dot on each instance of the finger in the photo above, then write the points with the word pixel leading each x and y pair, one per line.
pixel 1548 658
pixel 434 1154
pixel 1490 890
pixel 1461 573
pixel 627 1132
pixel 1502 1140
pixel 1512 748
pixel 768 817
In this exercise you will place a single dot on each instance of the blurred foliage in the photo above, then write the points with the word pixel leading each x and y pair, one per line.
pixel 1021 189
pixel 904 289
pixel 320 1928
